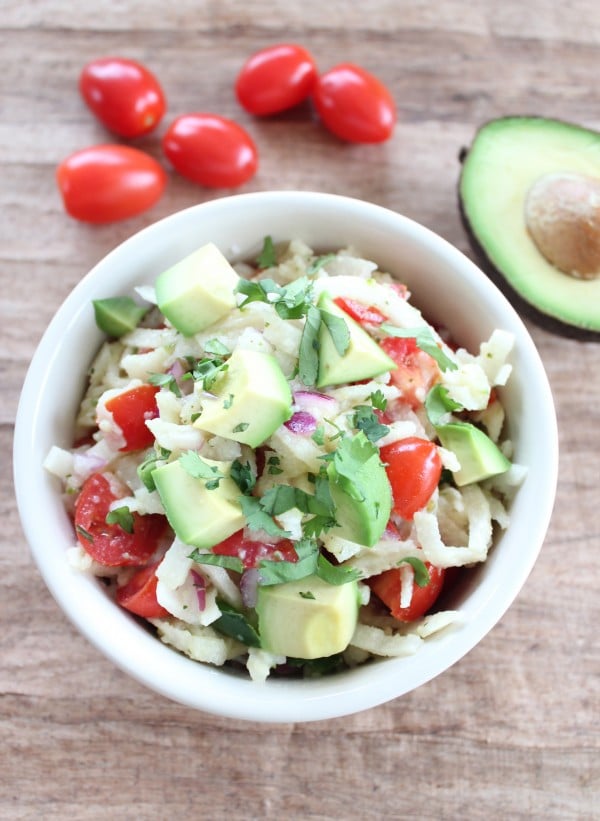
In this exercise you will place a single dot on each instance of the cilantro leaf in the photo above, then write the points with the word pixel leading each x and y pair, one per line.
pixel 290 301
pixel 268 256
pixel 206 370
pixel 279 572
pixel 85 533
pixel 335 574
pixel 235 624
pixel 121 516
pixel 241 427
pixel 319 435
pixel 165 380
pixel 243 476
pixel 308 362
pixel 193 464
pixel 217 560
pixel 365 419
pixel 318 263
pixel 420 568
pixel 338 331
pixel 425 340
pixel 214 346
pixel 378 400
pixel 258 519
pixel 144 470
pixel 438 404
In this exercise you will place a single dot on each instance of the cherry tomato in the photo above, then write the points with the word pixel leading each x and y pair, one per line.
pixel 130 410
pixel 251 552
pixel 138 595
pixel 275 79
pixel 413 467
pixel 210 150
pixel 388 587
pixel 359 312
pixel 123 94
pixel 415 373
pixel 106 183
pixel 110 544
pixel 354 104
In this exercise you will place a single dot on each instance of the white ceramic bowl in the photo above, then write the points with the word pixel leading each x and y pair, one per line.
pixel 445 285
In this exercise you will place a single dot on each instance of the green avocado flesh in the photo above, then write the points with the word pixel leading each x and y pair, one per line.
pixel 506 158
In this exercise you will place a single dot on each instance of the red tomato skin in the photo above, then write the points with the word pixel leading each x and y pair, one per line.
pixel 275 79
pixel 108 544
pixel 359 312
pixel 107 183
pixel 415 373
pixel 130 410
pixel 251 552
pixel 138 595
pixel 123 94
pixel 413 467
pixel 210 150
pixel 355 105
pixel 388 585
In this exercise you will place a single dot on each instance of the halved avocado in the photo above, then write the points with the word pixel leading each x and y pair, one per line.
pixel 507 158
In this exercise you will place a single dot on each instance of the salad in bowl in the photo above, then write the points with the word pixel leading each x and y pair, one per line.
pixel 280 465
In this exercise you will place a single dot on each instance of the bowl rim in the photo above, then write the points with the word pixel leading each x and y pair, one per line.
pixel 145 658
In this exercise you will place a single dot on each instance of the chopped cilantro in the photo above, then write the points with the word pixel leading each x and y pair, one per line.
pixel 144 470
pixel 425 340
pixel 318 263
pixel 365 419
pixel 205 370
pixel 215 559
pixel 420 568
pixel 378 400
pixel 235 624
pixel 199 469
pixel 86 534
pixel 319 435
pixel 271 572
pixel 227 403
pixel 243 476
pixel 289 301
pixel 241 427
pixel 165 380
pixel 338 330
pixel 214 346
pixel 268 256
pixel 258 519
pixel 335 574
pixel 306 594
pixel 438 404
pixel 121 516
pixel 273 468
pixel 308 362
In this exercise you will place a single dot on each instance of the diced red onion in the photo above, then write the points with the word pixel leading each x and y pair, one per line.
pixel 200 585
pixel 311 400
pixel 177 371
pixel 84 464
pixel 302 423
pixel 249 586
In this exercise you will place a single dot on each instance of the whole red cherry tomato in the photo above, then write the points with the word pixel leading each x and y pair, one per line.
pixel 210 150
pixel 275 79
pixel 354 105
pixel 106 183
pixel 413 467
pixel 123 94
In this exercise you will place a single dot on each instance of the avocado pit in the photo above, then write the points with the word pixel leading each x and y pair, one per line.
pixel 562 214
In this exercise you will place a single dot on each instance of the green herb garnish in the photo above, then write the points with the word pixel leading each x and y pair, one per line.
pixel 425 340
pixel 122 517
pixel 193 464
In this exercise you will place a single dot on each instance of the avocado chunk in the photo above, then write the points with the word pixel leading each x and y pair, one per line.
pixel 250 401
pixel 117 315
pixel 363 359
pixel 360 491
pixel 479 457
pixel 197 291
pixel 528 200
pixel 200 516
pixel 308 618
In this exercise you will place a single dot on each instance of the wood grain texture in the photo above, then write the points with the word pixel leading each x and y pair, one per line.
pixel 512 730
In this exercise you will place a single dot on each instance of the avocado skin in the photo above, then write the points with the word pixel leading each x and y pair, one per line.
pixel 527 309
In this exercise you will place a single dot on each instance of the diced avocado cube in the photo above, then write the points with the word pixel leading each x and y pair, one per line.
pixel 479 457
pixel 197 291
pixel 117 315
pixel 200 516
pixel 363 359
pixel 251 400
pixel 360 491
pixel 307 619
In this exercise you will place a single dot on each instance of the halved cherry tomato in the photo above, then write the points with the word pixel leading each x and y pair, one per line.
pixel 388 587
pixel 275 79
pixel 124 95
pixel 130 410
pixel 416 371
pixel 252 552
pixel 355 105
pixel 359 312
pixel 106 183
pixel 413 467
pixel 109 544
pixel 138 595
pixel 210 150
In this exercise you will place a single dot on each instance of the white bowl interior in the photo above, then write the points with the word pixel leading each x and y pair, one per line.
pixel 445 285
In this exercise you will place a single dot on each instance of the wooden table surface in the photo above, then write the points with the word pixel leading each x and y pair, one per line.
pixel 509 732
